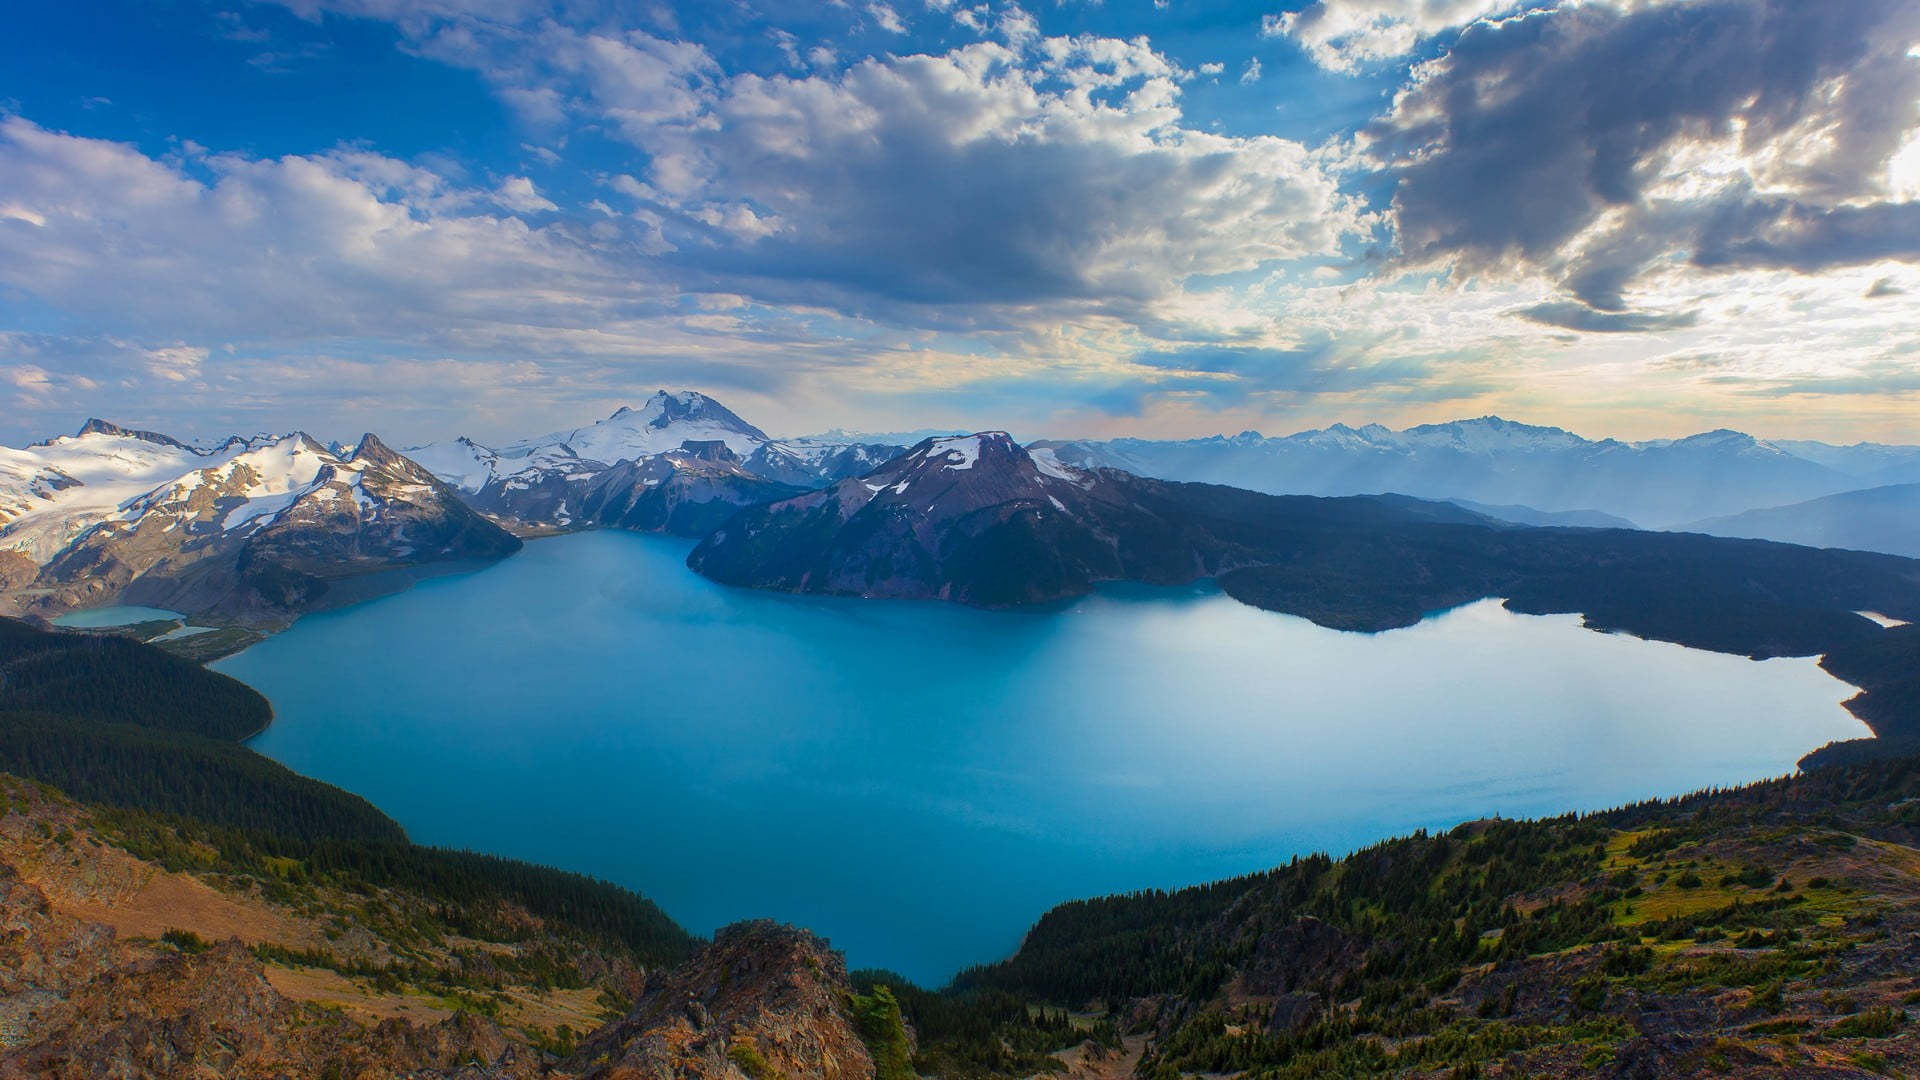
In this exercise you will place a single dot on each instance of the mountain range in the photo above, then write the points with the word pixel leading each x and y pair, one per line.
pixel 1769 929
pixel 982 520
pixel 255 530
pixel 1657 484
pixel 689 440
pixel 1876 519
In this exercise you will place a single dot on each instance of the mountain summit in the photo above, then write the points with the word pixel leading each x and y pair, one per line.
pixel 975 518
pixel 549 481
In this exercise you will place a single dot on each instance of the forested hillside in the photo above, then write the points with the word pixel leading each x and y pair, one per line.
pixel 122 724
pixel 1746 932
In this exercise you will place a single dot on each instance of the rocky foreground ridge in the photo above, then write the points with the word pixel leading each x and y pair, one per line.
pixel 114 965
pixel 1765 932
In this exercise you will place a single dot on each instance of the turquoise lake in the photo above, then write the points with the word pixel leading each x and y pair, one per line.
pixel 101 618
pixel 920 781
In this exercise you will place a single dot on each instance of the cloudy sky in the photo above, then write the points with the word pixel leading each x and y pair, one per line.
pixel 1063 217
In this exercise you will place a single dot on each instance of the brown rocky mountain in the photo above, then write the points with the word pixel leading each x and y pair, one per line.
pixel 114 965
pixel 763 1000
pixel 976 519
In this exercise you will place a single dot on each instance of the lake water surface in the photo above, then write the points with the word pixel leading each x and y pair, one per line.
pixel 101 618
pixel 919 781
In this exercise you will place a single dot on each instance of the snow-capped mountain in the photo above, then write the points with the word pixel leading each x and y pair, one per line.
pixel 686 491
pixel 973 518
pixel 51 491
pixel 253 529
pixel 813 461
pixel 543 481
pixel 980 519
pixel 1499 462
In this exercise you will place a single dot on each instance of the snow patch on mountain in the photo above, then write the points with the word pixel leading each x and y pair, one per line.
pixel 663 423
pixel 533 480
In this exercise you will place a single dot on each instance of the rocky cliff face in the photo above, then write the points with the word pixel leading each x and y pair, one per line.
pixel 762 1001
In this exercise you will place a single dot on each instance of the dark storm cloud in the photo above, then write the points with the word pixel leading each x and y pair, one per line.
pixel 1572 315
pixel 1532 130
pixel 1782 233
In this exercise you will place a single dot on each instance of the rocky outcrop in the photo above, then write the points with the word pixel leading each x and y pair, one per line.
pixel 77 1003
pixel 97 426
pixel 79 999
pixel 1297 954
pixel 762 1001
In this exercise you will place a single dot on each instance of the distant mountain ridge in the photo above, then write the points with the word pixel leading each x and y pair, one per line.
pixel 1876 519
pixel 118 513
pixel 982 520
pixel 1493 461
pixel 1527 515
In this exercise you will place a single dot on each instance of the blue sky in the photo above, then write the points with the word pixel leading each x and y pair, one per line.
pixel 1156 217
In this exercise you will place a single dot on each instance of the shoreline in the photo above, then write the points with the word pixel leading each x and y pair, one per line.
pixel 640 572
pixel 1884 740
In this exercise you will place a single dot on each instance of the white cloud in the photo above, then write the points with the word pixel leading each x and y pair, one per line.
pixel 990 175
pixel 518 194
pixel 228 247
pixel 1347 35
pixel 886 18
pixel 1047 198
pixel 176 363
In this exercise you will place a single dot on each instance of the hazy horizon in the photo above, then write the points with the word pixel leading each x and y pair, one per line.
pixel 403 440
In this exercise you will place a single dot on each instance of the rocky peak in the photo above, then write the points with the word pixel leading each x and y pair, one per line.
pixel 710 450
pixel 372 455
pixel 371 451
pixel 762 1000
pixel 97 426
pixel 958 474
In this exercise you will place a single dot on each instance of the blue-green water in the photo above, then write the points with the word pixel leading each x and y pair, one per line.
pixel 920 781
pixel 102 617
